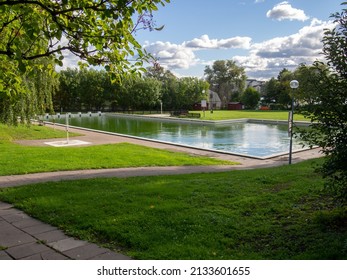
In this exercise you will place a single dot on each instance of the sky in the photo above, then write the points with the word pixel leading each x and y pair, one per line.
pixel 263 36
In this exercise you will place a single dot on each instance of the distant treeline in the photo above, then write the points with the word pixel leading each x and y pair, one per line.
pixel 92 90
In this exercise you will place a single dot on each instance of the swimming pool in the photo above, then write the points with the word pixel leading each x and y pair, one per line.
pixel 245 138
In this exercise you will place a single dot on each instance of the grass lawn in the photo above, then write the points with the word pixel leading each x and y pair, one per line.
pixel 242 114
pixel 274 213
pixel 17 159
pixel 24 132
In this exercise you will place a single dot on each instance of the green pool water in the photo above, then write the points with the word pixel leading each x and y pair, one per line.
pixel 252 139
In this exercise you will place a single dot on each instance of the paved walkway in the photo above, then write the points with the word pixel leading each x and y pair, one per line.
pixel 22 237
pixel 25 238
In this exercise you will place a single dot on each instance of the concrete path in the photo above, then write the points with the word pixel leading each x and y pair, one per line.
pixel 23 237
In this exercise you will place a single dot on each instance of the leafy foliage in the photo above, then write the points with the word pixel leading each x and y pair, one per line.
pixel 329 111
pixel 138 93
pixel 250 98
pixel 25 94
pixel 227 79
pixel 93 90
pixel 308 77
pixel 98 32
pixel 37 35
pixel 276 92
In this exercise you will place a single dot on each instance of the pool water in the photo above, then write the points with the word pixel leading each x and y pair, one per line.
pixel 252 139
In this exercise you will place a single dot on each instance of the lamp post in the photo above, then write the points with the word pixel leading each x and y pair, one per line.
pixel 294 84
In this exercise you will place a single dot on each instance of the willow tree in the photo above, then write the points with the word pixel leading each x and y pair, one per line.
pixel 98 32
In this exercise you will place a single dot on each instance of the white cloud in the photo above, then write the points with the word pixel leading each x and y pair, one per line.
pixel 307 42
pixel 172 56
pixel 284 11
pixel 204 42
pixel 267 58
pixel 264 59
pixel 182 56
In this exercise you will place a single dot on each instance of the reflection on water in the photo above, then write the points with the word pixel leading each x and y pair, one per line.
pixel 243 138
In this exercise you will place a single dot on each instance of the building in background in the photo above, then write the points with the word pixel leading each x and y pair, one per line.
pixel 214 101
pixel 257 85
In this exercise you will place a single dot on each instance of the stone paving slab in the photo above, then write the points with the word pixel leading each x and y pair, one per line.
pixel 23 237
pixel 11 236
pixel 50 236
pixel 47 255
pixel 25 223
pixel 39 228
pixel 67 244
pixel 86 251
pixel 12 215
pixel 26 250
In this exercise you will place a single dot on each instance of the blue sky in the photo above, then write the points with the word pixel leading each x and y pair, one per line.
pixel 263 36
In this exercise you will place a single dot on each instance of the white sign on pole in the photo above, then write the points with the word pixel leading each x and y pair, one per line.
pixel 203 103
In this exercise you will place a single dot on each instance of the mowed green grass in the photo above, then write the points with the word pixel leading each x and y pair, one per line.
pixel 25 132
pixel 246 114
pixel 18 159
pixel 274 213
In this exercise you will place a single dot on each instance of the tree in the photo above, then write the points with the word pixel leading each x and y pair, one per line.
pixel 67 96
pixel 178 94
pixel 277 91
pixel 226 78
pixel 328 113
pixel 99 32
pixel 158 72
pixel 307 77
pixel 145 93
pixel 250 98
pixel 25 94
pixel 138 93
pixel 93 89
pixel 271 91
pixel 169 90
pixel 284 91
pixel 191 91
